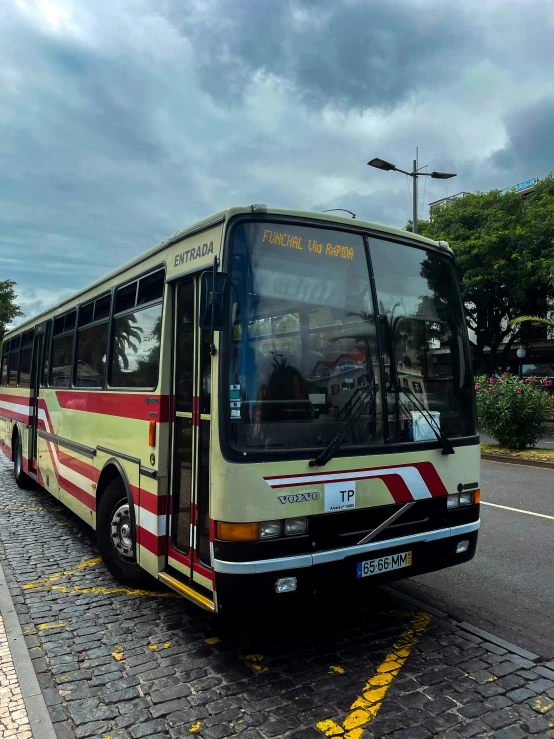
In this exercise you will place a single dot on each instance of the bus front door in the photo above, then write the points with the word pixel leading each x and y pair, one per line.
pixel 189 539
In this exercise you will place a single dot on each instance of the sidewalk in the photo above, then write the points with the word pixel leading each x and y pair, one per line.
pixel 14 721
pixel 23 712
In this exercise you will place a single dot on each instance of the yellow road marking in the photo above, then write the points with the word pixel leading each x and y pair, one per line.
pixel 195 727
pixel 518 510
pixel 54 625
pixel 44 582
pixel 21 507
pixel 366 707
pixel 102 590
pixel 335 670
pixel 165 645
pixel 254 661
pixel 212 640
pixel 543 704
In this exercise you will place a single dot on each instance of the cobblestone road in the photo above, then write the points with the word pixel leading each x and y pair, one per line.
pixel 130 664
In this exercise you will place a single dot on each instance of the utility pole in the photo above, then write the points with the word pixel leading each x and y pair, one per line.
pixel 414 196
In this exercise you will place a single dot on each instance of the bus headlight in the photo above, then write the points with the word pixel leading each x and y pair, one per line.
pixel 294 526
pixel 458 500
pixel 269 529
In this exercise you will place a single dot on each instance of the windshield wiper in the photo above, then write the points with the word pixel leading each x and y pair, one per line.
pixel 328 452
pixel 447 447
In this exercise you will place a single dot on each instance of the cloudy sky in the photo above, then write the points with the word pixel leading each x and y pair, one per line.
pixel 122 121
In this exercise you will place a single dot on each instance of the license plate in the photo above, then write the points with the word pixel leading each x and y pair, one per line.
pixel 384 564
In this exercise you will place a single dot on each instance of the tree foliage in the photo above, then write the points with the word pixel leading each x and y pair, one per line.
pixel 504 250
pixel 8 307
pixel 514 411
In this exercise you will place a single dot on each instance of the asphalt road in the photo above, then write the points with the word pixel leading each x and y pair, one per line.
pixel 508 588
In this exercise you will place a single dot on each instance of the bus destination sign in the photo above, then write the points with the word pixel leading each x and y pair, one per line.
pixel 312 245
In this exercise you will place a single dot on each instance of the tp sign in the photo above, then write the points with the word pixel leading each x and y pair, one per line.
pixel 340 496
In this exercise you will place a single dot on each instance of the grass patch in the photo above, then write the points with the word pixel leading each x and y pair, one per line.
pixel 537 455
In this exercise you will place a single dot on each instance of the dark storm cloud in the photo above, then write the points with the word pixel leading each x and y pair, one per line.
pixel 530 146
pixel 122 121
pixel 354 54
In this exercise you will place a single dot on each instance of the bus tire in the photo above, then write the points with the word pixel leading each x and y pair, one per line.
pixel 114 535
pixel 22 480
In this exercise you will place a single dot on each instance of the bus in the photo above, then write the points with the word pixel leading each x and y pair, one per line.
pixel 266 405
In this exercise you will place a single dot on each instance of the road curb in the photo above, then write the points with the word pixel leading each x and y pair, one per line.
pixel 531 656
pixel 516 460
pixel 39 718
pixel 407 599
pixel 475 630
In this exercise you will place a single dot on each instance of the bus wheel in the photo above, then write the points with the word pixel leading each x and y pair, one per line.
pixel 21 479
pixel 114 534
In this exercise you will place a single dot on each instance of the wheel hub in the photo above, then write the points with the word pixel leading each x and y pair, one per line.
pixel 121 532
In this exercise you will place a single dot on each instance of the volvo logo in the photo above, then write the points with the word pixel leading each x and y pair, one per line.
pixel 299 497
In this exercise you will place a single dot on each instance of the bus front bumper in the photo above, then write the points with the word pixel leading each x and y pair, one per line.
pixel 241 586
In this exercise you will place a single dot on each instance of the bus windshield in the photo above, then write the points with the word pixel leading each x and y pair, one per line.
pixel 310 351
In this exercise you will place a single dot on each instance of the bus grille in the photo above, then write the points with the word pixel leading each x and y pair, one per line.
pixel 347 528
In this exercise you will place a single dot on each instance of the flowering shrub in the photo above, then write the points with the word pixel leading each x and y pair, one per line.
pixel 514 411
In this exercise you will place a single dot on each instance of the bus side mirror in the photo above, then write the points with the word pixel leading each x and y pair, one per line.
pixel 215 291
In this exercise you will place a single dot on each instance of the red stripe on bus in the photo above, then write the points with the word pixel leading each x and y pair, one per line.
pixel 347 472
pixel 427 471
pixel 431 478
pixel 77 465
pixel 154 544
pixel 196 410
pixel 69 487
pixel 138 406
pixel 20 399
pixel 156 504
pixel 14 415
pixel 397 488
pixel 212 529
pixel 183 559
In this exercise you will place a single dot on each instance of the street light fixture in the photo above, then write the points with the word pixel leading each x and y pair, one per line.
pixel 385 166
pixel 521 355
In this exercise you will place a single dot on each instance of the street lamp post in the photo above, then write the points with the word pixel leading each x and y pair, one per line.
pixel 414 174
pixel 520 355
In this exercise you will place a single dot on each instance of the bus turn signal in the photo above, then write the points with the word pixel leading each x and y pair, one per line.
pixel 152 434
pixel 237 531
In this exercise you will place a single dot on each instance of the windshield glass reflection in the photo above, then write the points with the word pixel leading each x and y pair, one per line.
pixel 304 351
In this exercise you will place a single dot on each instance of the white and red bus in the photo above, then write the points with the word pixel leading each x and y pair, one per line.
pixel 264 405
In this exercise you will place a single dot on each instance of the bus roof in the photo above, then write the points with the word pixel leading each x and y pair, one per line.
pixel 222 216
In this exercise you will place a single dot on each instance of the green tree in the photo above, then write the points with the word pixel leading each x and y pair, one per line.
pixel 504 251
pixel 8 307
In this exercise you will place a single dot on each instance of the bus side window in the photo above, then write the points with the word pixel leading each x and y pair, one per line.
pixel 14 360
pixel 62 350
pixel 46 355
pixel 25 360
pixel 136 333
pixel 5 354
pixel 92 343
